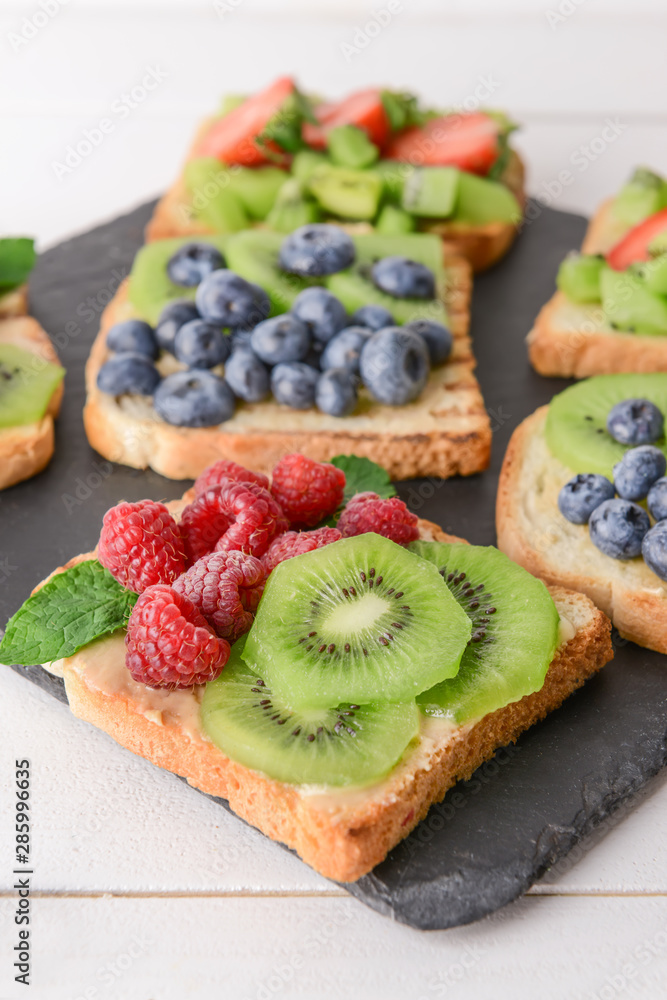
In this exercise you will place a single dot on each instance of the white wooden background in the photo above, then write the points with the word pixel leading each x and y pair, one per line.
pixel 146 890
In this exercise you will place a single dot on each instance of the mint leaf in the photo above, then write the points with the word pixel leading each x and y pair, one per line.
pixel 17 259
pixel 75 607
pixel 363 476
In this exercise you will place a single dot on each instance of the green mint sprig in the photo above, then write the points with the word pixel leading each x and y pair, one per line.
pixel 76 606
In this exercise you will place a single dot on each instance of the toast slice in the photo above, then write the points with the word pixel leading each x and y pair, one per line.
pixel 481 245
pixel 14 303
pixel 443 433
pixel 26 449
pixel 574 340
pixel 533 533
pixel 342 834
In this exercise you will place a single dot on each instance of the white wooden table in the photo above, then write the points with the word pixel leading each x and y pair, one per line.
pixel 144 889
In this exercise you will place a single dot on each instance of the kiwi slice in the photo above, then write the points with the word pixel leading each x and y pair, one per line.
pixel 27 383
pixel 394 220
pixel 431 192
pixel 254 255
pixel 150 288
pixel 292 208
pixel 355 287
pixel 579 277
pixel 643 195
pixel 630 306
pixel 350 194
pixel 480 200
pixel 346 745
pixel 576 427
pixel 514 631
pixel 360 620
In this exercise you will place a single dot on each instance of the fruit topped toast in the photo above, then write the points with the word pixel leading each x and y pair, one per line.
pixel 373 159
pixel 325 661
pixel 610 311
pixel 30 374
pixel 582 499
pixel 255 344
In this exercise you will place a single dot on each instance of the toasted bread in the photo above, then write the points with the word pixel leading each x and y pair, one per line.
pixel 445 432
pixel 532 531
pixel 342 834
pixel 570 339
pixel 481 245
pixel 14 303
pixel 26 449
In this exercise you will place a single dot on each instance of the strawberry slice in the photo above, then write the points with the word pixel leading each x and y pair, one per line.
pixel 364 109
pixel 466 141
pixel 232 139
pixel 634 245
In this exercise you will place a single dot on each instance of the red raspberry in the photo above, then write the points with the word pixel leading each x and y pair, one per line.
pixel 391 518
pixel 294 543
pixel 226 469
pixel 169 644
pixel 141 545
pixel 307 491
pixel 242 516
pixel 225 587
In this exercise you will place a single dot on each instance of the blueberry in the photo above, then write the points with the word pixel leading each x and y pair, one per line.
pixel 635 421
pixel 438 338
pixel 172 318
pixel 294 385
pixel 657 499
pixel 241 338
pixel 316 249
pixel 374 317
pixel 617 528
pixel 128 372
pixel 654 549
pixel 228 299
pixel 193 262
pixel 281 339
pixel 403 278
pixel 336 392
pixel 133 335
pixel 581 495
pixel 638 470
pixel 322 312
pixel 394 365
pixel 247 377
pixel 199 344
pixel 194 399
pixel 344 350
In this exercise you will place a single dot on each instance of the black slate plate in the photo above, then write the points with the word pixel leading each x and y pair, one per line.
pixel 494 835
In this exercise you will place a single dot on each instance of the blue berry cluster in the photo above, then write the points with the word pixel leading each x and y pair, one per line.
pixel 617 523
pixel 313 355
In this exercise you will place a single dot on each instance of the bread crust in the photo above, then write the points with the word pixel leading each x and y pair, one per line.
pixel 637 608
pixel 451 432
pixel 482 246
pixel 14 303
pixel 27 449
pixel 575 341
pixel 344 837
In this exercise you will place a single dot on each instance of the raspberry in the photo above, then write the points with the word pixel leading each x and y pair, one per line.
pixel 225 587
pixel 294 543
pixel 141 545
pixel 169 644
pixel 307 491
pixel 242 516
pixel 391 518
pixel 226 469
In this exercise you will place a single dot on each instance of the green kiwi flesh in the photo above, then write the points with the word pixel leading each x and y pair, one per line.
pixel 361 620
pixel 27 383
pixel 150 288
pixel 576 427
pixel 514 631
pixel 349 744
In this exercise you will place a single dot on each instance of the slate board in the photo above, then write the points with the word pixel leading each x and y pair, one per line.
pixel 494 835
